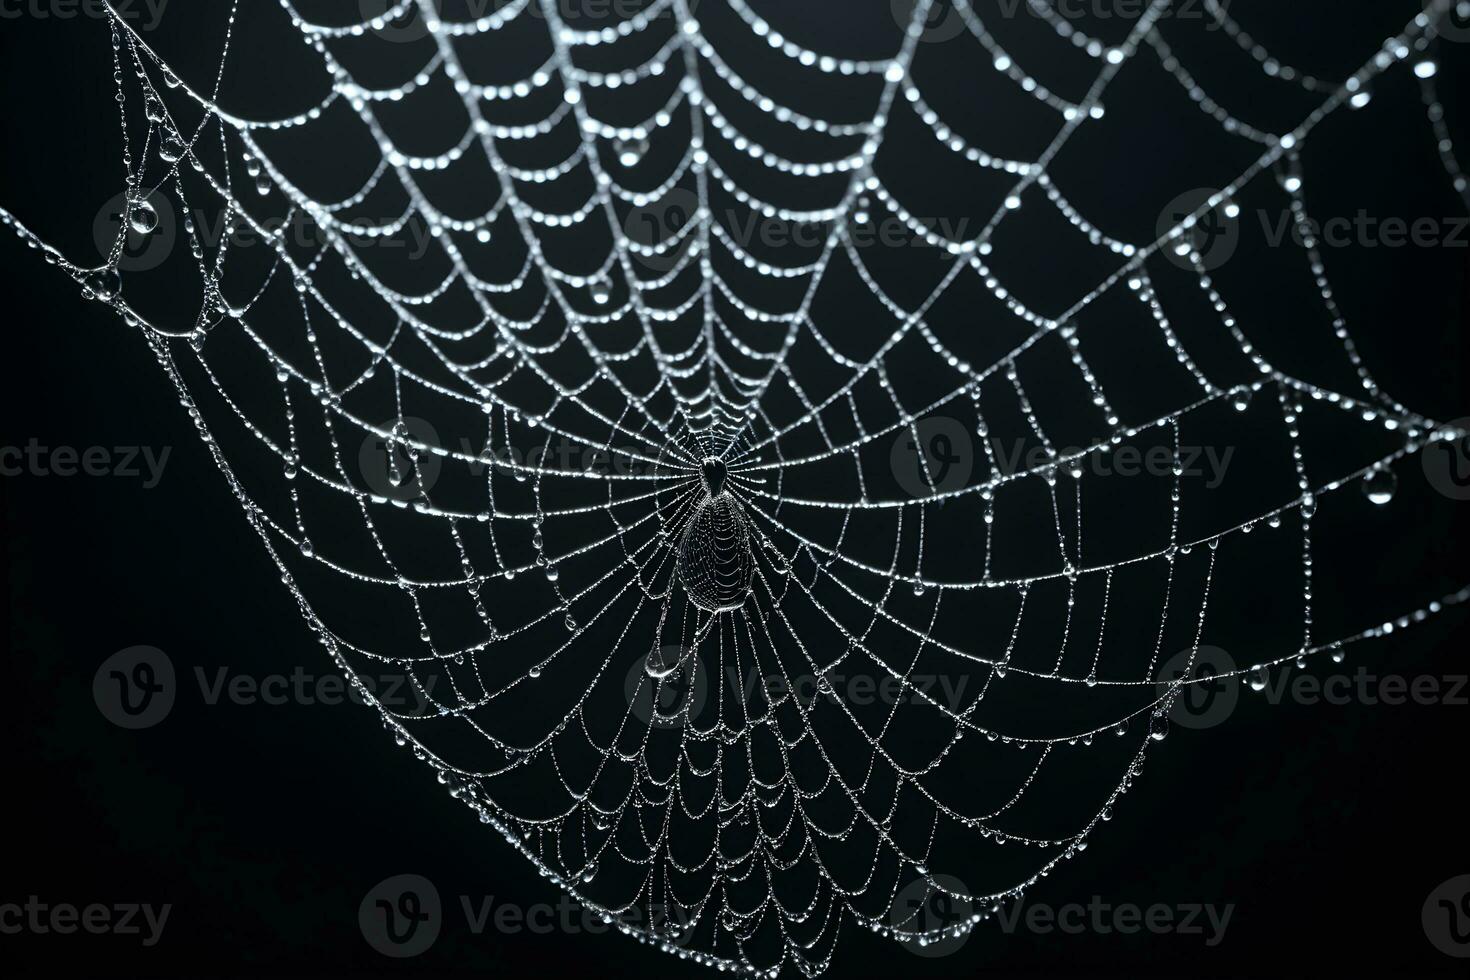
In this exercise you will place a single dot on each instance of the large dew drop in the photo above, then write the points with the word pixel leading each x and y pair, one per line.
pixel 1380 485
pixel 715 563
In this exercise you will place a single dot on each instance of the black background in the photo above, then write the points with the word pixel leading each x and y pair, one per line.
pixel 1324 826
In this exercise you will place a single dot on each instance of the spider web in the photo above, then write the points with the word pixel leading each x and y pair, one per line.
pixel 666 520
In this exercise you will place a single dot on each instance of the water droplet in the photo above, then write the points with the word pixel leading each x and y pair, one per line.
pixel 104 284
pixel 1380 485
pixel 630 151
pixel 1158 727
pixel 1260 677
pixel 142 217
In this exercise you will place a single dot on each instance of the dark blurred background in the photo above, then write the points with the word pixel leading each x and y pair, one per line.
pixel 1326 827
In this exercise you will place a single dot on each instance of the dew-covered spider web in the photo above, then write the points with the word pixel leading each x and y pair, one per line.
pixel 645 386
